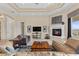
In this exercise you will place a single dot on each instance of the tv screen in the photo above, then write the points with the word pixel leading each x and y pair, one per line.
pixel 36 29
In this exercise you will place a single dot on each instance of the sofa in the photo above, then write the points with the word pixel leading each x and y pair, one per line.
pixel 71 46
pixel 6 47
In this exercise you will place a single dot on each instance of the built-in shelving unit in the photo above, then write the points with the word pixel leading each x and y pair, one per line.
pixel 36 35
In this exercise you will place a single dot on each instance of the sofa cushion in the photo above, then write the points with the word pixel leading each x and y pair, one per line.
pixel 72 43
pixel 62 48
pixel 6 44
pixel 2 50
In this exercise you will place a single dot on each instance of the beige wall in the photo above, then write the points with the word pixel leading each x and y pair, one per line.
pixel 34 21
pixel 37 21
pixel 10 28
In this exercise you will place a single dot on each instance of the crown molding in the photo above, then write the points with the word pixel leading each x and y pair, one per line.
pixel 61 10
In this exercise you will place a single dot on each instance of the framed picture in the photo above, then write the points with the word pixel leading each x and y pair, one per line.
pixel 44 28
pixel 29 28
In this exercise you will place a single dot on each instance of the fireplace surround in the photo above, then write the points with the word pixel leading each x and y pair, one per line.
pixel 56 32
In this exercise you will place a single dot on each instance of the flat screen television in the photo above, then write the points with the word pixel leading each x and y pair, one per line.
pixel 36 29
pixel 56 32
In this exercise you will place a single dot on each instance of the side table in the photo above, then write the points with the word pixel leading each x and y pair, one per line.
pixel 28 48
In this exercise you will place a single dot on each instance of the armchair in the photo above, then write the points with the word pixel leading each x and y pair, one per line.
pixel 21 41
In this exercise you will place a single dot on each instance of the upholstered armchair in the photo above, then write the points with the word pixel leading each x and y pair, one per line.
pixel 21 41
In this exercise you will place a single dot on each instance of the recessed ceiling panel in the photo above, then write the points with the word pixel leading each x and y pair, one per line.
pixel 32 5
pixel 36 7
pixel 33 9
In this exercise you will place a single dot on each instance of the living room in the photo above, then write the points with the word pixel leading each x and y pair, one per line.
pixel 38 29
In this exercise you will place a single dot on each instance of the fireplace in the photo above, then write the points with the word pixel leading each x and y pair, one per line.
pixel 56 32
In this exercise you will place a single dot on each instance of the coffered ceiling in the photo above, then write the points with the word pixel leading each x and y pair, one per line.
pixel 33 9
pixel 36 7
pixel 32 5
